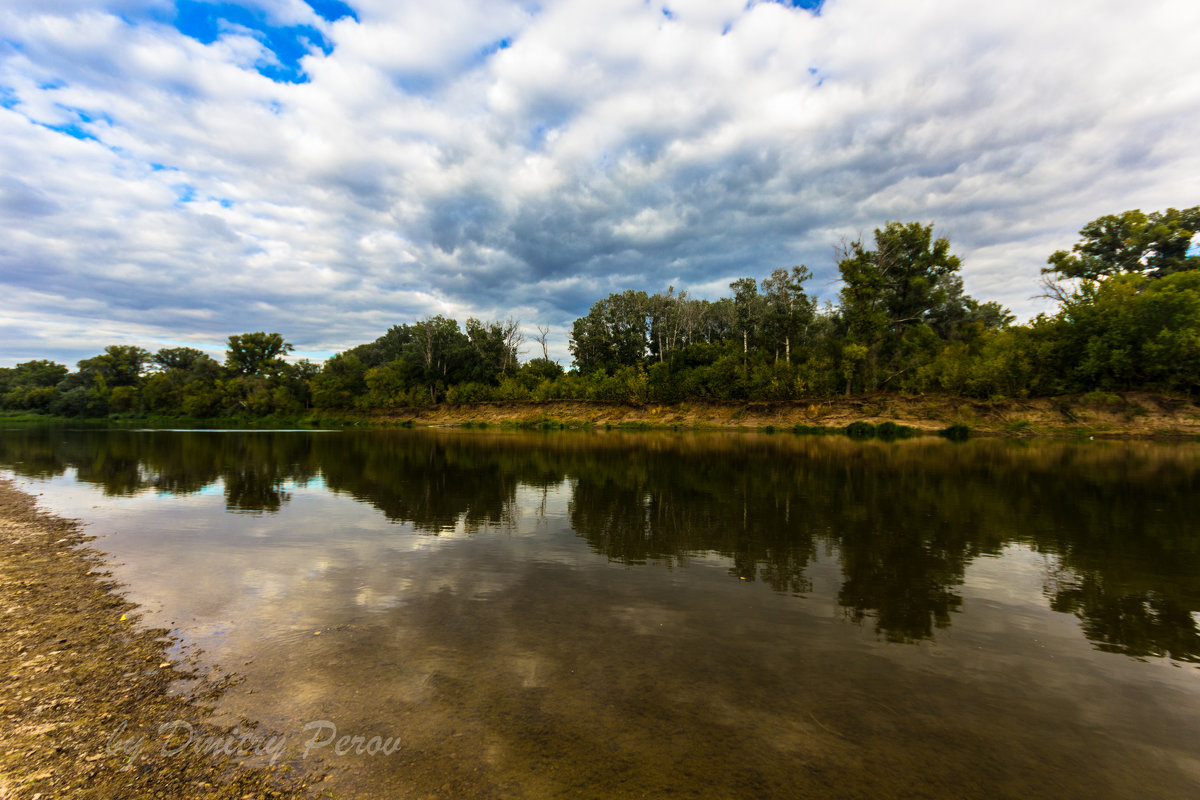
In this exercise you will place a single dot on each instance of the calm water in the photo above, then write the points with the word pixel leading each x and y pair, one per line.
pixel 594 615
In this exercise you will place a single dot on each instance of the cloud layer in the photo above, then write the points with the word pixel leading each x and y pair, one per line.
pixel 176 172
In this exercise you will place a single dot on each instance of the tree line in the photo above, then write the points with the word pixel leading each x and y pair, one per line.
pixel 1128 317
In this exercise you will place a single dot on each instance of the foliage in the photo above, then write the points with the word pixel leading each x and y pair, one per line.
pixel 1155 245
pixel 255 353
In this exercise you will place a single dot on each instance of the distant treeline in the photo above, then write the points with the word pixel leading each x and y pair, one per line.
pixel 1128 318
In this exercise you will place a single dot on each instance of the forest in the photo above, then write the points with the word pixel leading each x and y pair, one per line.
pixel 1127 318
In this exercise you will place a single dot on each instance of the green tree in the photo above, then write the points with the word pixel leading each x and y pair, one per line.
pixel 119 365
pixel 255 353
pixel 184 358
pixel 748 308
pixel 888 291
pixel 495 346
pixel 615 333
pixel 184 372
pixel 341 382
pixel 789 311
pixel 1155 245
pixel 31 385
pixel 1131 331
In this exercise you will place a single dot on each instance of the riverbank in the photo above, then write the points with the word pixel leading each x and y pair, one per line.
pixel 87 689
pixel 1127 416
pixel 1131 415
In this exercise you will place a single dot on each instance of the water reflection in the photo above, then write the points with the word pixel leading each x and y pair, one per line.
pixel 905 519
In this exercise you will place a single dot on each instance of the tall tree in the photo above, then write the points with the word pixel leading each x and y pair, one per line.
pixel 496 346
pixel 543 334
pixel 255 353
pixel 179 357
pixel 613 334
pixel 118 365
pixel 748 308
pixel 1155 245
pixel 789 311
pixel 889 291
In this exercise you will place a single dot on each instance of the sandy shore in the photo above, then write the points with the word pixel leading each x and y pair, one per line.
pixel 86 690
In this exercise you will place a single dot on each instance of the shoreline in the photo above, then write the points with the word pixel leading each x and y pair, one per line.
pixel 1129 415
pixel 88 688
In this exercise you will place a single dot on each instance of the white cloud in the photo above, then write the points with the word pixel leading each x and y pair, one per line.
pixel 493 156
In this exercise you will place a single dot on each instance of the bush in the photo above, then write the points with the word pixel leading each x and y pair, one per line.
pixel 469 393
pixel 956 433
pixel 511 390
pixel 860 430
pixel 890 431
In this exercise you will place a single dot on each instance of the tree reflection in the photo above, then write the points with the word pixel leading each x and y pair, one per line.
pixel 905 520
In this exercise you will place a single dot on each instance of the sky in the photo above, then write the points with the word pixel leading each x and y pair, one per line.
pixel 175 172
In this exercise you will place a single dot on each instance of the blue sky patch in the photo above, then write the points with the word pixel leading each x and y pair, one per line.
pixel 206 22
pixel 332 10
pixel 496 47
pixel 809 5
pixel 75 129
pixel 87 117
pixel 72 129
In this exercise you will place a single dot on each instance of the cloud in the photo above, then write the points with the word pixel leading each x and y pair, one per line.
pixel 327 170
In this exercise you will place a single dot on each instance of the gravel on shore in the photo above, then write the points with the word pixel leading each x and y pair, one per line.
pixel 90 700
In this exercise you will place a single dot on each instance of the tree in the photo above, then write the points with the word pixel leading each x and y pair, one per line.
pixel 440 346
pixel 31 385
pixel 890 290
pixel 1129 332
pixel 185 373
pixel 543 333
pixel 118 365
pixel 668 318
pixel 960 316
pixel 1155 245
pixel 496 346
pixel 255 353
pixel 340 382
pixel 392 346
pixel 179 358
pixel 614 333
pixel 789 311
pixel 748 308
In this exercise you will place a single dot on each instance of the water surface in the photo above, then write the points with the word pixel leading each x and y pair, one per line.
pixel 598 615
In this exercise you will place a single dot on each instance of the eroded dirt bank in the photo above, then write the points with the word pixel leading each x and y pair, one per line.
pixel 85 689
pixel 1101 415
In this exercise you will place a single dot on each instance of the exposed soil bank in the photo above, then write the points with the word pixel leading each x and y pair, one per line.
pixel 81 684
pixel 1130 415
